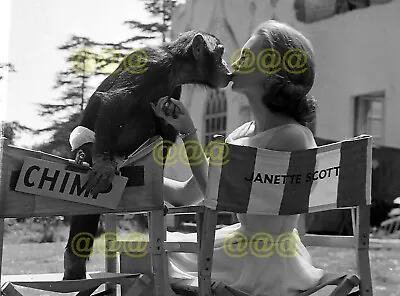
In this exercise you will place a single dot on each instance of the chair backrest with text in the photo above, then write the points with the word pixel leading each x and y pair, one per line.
pixel 258 181
pixel 251 180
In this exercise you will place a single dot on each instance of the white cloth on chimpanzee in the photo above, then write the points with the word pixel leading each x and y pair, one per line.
pixel 79 136
pixel 273 275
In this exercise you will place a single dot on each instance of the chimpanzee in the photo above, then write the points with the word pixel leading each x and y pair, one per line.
pixel 119 118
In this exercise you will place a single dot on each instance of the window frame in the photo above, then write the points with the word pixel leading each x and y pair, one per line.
pixel 363 122
pixel 216 107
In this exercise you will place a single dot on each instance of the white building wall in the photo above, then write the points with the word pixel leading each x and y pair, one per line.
pixel 355 54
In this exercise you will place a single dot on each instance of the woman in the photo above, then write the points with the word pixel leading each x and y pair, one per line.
pixel 278 99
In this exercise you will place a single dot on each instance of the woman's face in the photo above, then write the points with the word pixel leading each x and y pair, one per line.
pixel 249 69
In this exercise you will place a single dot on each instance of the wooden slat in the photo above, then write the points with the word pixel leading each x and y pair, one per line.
pixel 10 290
pixel 184 247
pixel 185 210
pixel 189 210
pixel 54 282
pixel 18 204
pixel 329 279
pixel 124 246
pixel 191 247
pixel 31 277
pixel 328 241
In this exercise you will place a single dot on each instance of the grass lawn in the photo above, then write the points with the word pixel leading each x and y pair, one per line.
pixel 48 258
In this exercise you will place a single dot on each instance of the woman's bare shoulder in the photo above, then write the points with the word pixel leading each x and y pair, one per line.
pixel 291 138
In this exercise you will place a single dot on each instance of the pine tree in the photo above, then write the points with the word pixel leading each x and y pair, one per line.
pixel 10 130
pixel 74 84
pixel 157 8
pixel 9 66
pixel 87 59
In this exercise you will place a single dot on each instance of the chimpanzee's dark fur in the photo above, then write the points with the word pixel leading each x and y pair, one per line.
pixel 120 114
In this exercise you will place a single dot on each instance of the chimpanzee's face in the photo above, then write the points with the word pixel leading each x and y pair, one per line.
pixel 220 73
pixel 210 67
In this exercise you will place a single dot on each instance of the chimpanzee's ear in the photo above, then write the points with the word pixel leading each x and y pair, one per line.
pixel 199 46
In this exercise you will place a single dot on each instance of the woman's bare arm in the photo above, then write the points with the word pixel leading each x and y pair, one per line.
pixel 198 162
pixel 180 193
pixel 193 190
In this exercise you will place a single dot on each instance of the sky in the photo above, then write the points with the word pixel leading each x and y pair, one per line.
pixel 33 30
pixel 5 18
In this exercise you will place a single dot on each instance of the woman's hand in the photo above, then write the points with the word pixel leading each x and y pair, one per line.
pixel 174 113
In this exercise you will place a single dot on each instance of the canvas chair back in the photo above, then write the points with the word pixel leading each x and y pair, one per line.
pixel 144 182
pixel 50 177
pixel 258 181
pixel 251 180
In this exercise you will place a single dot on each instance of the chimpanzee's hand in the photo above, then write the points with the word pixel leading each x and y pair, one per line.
pixel 174 113
pixel 102 174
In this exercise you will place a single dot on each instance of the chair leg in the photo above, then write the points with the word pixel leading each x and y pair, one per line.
pixel 363 265
pixel 206 252
pixel 159 260
pixel 1 243
pixel 199 223
pixel 110 257
pixel 365 274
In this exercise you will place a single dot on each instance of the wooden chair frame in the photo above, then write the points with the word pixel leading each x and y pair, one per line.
pixel 206 219
pixel 146 197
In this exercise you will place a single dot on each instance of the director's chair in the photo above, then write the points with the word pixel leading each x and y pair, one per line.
pixel 140 186
pixel 347 187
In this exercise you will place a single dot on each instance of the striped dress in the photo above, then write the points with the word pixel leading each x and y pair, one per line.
pixel 280 265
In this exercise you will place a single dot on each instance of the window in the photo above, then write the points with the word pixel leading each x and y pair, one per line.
pixel 215 116
pixel 310 11
pixel 369 116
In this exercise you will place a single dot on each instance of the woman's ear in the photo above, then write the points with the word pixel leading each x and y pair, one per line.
pixel 268 82
pixel 273 84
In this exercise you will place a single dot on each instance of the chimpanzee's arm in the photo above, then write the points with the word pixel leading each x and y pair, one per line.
pixel 110 108
pixel 113 111
pixel 113 114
